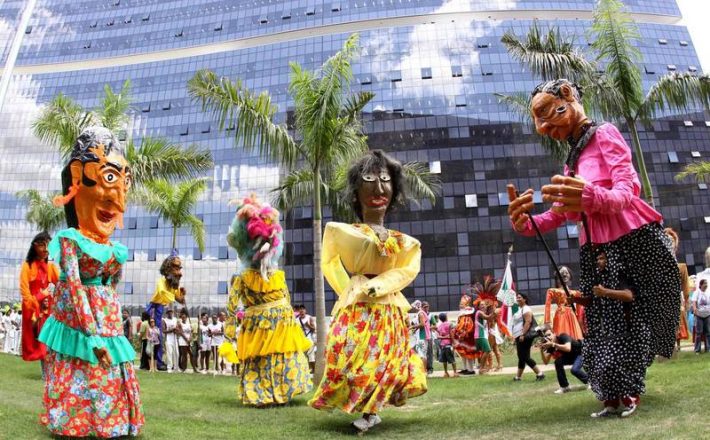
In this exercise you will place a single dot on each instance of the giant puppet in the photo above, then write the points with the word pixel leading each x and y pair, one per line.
pixel 630 280
pixel 369 361
pixel 37 279
pixel 271 344
pixel 90 385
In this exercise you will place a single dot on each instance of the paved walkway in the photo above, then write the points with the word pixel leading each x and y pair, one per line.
pixel 544 368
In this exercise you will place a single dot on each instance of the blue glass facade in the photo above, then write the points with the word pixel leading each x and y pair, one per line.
pixel 433 65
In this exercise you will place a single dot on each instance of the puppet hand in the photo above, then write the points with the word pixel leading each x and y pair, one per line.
pixel 104 357
pixel 599 291
pixel 518 209
pixel 565 193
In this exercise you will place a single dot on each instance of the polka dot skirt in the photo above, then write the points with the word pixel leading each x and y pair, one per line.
pixel 623 338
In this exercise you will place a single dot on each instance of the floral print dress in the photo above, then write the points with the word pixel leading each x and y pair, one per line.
pixel 369 361
pixel 271 344
pixel 81 398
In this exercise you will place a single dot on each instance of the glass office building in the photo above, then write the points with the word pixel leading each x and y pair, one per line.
pixel 434 66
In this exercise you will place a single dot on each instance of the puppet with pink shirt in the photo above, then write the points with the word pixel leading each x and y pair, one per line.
pixel 630 280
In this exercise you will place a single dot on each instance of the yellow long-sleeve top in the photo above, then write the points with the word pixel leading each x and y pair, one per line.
pixel 351 253
pixel 164 294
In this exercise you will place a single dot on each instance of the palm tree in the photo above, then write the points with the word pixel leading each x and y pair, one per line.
pixel 175 203
pixel 699 170
pixel 330 135
pixel 62 120
pixel 616 91
pixel 41 212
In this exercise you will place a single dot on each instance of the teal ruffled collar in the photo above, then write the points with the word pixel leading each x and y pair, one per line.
pixel 97 251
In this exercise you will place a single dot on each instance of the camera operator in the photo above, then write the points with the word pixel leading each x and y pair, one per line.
pixel 565 351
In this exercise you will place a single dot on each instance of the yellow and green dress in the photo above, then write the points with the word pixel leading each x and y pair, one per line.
pixel 271 344
pixel 369 361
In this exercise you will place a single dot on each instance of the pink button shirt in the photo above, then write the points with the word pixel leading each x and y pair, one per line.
pixel 611 197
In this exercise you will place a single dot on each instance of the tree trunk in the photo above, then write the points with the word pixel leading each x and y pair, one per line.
pixel 174 238
pixel 643 173
pixel 322 328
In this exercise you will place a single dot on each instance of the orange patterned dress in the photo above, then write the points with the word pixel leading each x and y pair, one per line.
pixel 564 320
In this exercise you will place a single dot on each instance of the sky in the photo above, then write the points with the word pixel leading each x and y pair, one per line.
pixel 696 14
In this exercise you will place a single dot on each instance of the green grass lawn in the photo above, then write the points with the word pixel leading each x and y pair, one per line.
pixel 186 407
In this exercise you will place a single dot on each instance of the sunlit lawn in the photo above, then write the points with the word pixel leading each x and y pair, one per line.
pixel 182 407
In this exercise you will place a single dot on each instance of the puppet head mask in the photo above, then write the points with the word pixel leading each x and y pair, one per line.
pixel 95 183
pixel 557 109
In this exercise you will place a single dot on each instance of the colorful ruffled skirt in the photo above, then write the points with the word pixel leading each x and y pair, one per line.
pixel 271 345
pixel 82 399
pixel 369 361
pixel 465 337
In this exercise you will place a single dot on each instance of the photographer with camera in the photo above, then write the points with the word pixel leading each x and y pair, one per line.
pixel 565 351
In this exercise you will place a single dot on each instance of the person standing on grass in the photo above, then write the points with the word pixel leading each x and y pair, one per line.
pixel 183 332
pixel 36 277
pixel 153 343
pixel 565 351
pixel 425 345
pixel 446 344
pixel 216 329
pixel 170 323
pixel 127 325
pixel 143 336
pixel 205 343
pixel 701 311
pixel 481 333
pixel 524 334
pixel 308 324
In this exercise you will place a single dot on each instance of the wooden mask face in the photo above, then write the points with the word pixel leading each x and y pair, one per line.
pixel 101 198
pixel 555 116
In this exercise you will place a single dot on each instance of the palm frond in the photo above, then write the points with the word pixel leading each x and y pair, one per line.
pixel 187 194
pixel 159 158
pixel 296 189
pixel 602 101
pixel 60 122
pixel 112 113
pixel 233 105
pixel 615 34
pixel 675 91
pixel 698 170
pixel 551 56
pixel 419 182
pixel 41 212
pixel 174 203
pixel 197 230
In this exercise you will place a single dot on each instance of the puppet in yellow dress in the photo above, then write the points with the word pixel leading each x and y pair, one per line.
pixel 369 361
pixel 271 344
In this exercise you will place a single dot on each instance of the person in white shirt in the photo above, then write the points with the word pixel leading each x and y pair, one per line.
pixel 205 343
pixel 13 332
pixel 701 310
pixel 183 333
pixel 523 332
pixel 216 329
pixel 308 324
pixel 4 328
pixel 171 343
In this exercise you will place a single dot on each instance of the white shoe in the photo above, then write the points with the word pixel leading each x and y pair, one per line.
pixel 608 411
pixel 362 424
pixel 563 390
pixel 627 411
